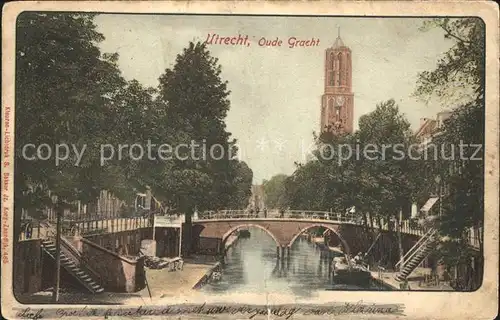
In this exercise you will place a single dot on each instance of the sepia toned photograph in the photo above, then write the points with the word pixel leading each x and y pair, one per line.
pixel 162 158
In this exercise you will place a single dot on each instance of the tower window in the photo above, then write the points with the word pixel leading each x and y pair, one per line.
pixel 339 56
pixel 331 77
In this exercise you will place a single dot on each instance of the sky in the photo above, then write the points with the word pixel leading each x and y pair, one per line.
pixel 276 91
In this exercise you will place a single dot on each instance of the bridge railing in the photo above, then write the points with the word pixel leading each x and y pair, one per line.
pixel 88 227
pixel 84 227
pixel 344 218
pixel 227 214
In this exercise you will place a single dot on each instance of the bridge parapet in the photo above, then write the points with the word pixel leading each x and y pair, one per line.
pixel 304 215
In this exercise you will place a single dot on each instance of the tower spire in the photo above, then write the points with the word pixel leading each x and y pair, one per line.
pixel 338 42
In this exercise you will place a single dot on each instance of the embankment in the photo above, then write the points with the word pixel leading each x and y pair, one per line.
pixel 217 267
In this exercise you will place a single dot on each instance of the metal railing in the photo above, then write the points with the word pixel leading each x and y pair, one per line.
pixel 84 227
pixel 31 230
pixel 428 236
pixel 73 254
pixel 88 227
pixel 473 236
pixel 98 225
pixel 343 218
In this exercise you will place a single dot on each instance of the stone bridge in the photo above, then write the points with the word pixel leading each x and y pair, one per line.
pixel 212 229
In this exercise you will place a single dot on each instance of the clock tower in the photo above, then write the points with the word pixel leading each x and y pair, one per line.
pixel 337 102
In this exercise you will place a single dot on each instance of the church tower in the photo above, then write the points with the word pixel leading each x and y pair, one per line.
pixel 337 102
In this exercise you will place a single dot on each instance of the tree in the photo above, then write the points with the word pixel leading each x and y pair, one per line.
pixel 64 85
pixel 304 188
pixel 462 67
pixel 387 177
pixel 274 189
pixel 242 183
pixel 369 169
pixel 196 103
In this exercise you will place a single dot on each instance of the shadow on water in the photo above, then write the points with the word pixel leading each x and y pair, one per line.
pixel 251 265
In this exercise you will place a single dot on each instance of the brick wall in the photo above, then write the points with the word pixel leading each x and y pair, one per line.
pixel 118 274
pixel 130 240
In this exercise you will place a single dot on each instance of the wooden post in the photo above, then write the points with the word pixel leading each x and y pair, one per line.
pixel 60 212
pixel 98 209
pixel 400 240
pixel 288 258
pixel 180 241
pixel 153 228
pixel 283 258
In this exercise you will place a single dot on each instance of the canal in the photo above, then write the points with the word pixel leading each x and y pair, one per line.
pixel 251 266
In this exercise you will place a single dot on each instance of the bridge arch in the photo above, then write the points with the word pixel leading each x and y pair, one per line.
pixel 324 225
pixel 249 225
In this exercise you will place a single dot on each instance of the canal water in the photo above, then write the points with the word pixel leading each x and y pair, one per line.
pixel 251 266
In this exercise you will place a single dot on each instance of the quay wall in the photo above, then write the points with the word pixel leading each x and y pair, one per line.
pixel 28 267
pixel 126 242
pixel 217 267
pixel 117 273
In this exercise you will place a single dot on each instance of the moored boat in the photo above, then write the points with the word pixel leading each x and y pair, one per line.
pixel 349 273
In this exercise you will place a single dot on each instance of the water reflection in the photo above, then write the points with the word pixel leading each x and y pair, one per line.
pixel 251 265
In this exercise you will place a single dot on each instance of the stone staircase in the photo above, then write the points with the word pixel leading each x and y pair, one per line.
pixel 69 265
pixel 416 255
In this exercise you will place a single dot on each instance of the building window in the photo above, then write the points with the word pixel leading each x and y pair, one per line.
pixel 339 57
pixel 330 105
pixel 331 77
pixel 332 62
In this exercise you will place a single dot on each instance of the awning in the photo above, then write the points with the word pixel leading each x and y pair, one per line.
pixel 428 205
pixel 414 210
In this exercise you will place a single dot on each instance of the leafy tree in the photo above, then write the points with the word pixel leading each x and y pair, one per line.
pixel 461 69
pixel 369 169
pixel 64 85
pixel 196 103
pixel 274 189
pixel 304 187
pixel 136 133
pixel 242 183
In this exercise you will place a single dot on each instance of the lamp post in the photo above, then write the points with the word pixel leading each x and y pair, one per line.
pixel 59 212
pixel 439 194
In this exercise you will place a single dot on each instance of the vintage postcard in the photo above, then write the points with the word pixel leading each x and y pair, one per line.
pixel 250 160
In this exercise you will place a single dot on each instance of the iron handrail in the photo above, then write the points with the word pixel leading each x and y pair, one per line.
pixel 413 250
pixel 51 234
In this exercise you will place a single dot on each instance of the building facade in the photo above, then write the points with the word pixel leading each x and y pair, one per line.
pixel 337 102
pixel 429 130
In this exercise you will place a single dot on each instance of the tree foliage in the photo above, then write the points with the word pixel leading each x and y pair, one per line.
pixel 463 172
pixel 461 69
pixel 368 169
pixel 274 190
pixel 69 92
pixel 64 85
pixel 196 103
